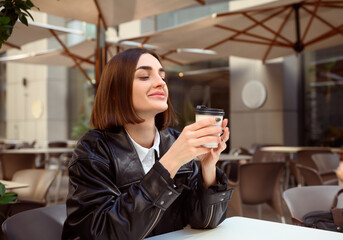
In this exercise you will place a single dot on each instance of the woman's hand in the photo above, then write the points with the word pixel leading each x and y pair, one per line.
pixel 209 160
pixel 190 143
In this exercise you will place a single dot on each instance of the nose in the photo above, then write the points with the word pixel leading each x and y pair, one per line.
pixel 158 81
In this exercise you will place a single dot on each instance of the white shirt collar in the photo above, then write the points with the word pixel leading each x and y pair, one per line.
pixel 143 152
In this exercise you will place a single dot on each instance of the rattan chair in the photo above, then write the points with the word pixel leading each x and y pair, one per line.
pixel 41 223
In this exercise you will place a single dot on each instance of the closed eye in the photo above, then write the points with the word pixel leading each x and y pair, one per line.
pixel 144 77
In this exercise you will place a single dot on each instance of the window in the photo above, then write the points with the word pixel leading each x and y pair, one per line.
pixel 324 97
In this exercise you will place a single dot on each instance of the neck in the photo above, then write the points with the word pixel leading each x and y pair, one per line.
pixel 143 133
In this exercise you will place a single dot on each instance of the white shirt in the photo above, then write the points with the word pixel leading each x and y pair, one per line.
pixel 147 155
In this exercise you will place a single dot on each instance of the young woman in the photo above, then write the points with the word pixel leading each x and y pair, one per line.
pixel 132 177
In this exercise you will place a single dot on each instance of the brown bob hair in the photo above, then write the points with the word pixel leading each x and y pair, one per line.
pixel 113 106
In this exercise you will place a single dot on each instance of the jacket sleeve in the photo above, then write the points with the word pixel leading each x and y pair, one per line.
pixel 96 209
pixel 209 205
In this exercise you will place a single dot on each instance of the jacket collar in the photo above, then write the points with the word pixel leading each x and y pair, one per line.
pixel 127 166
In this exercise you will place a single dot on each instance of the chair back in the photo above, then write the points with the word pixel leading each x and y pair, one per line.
pixel 39 181
pixel 310 175
pixel 260 183
pixel 304 157
pixel 326 162
pixel 13 162
pixel 57 144
pixel 301 200
pixel 39 223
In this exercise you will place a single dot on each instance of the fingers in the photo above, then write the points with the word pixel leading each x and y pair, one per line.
pixel 226 132
pixel 202 150
pixel 205 140
pixel 204 127
pixel 224 123
pixel 209 130
pixel 203 123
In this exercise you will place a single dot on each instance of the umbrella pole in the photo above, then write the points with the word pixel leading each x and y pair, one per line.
pixel 117 31
pixel 101 48
pixel 298 46
pixel 100 52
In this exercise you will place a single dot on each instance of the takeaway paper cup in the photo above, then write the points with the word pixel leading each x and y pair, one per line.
pixel 202 112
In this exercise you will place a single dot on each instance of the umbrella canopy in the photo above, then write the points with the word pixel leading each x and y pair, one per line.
pixel 183 56
pixel 266 31
pixel 83 53
pixel 113 12
pixel 80 55
pixel 23 34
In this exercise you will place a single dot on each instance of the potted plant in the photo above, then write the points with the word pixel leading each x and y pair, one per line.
pixel 6 198
pixel 10 12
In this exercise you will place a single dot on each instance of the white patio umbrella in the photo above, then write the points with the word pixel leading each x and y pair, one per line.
pixel 109 13
pixel 83 54
pixel 267 31
pixel 179 56
pixel 23 34
pixel 58 57
pixel 80 55
pixel 113 12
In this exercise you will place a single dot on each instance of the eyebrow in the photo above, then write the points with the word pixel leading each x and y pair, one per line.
pixel 149 68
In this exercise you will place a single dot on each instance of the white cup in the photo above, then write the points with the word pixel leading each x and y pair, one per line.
pixel 202 112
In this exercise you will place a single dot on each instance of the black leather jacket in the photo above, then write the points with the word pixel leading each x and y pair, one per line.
pixel 110 197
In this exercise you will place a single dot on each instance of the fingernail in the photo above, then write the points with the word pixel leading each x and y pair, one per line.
pixel 218 119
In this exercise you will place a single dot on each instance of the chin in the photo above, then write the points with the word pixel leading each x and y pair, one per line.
pixel 162 108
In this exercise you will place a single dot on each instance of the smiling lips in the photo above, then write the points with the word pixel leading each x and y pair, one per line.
pixel 158 94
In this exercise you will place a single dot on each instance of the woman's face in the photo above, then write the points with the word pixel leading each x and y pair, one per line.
pixel 149 90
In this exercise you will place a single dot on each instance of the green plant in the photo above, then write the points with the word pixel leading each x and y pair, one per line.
pixel 6 198
pixel 81 127
pixel 11 11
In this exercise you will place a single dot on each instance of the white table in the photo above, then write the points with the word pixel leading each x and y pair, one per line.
pixel 38 150
pixel 13 185
pixel 295 149
pixel 241 228
pixel 45 151
pixel 231 157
